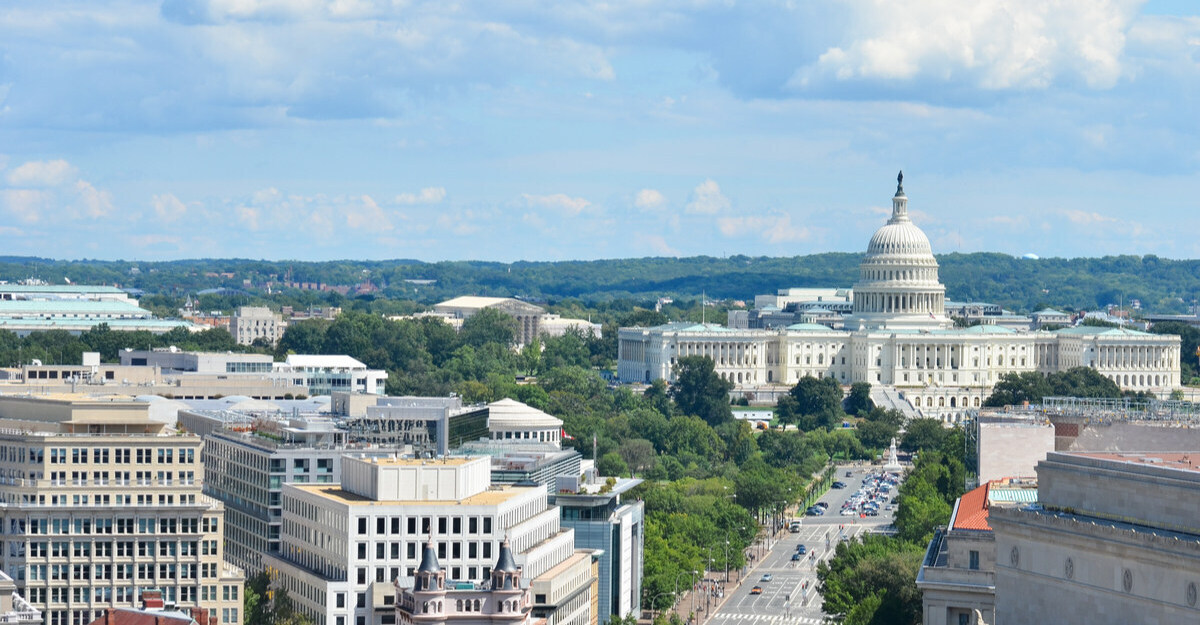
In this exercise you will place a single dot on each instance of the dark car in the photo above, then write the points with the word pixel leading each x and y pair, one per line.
pixel 839 484
pixel 796 557
pixel 801 550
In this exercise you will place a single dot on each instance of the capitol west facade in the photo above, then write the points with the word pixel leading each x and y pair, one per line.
pixel 898 335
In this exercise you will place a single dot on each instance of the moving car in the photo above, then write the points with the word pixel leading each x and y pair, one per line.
pixel 757 590
pixel 766 577
pixel 801 550
pixel 796 557
pixel 839 484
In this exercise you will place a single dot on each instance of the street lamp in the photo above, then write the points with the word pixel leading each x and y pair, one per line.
pixel 654 601
pixel 694 575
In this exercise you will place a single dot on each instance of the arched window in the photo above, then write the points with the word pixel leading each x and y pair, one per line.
pixel 458 605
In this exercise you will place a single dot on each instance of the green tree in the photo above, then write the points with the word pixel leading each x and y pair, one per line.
pixel 489 326
pixel 787 410
pixel 859 399
pixel 923 434
pixel 818 401
pixel 612 464
pixel 873 581
pixel 1082 382
pixel 699 391
pixel 876 434
pixel 1015 389
pixel 638 454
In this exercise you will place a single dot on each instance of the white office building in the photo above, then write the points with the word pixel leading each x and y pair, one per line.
pixel 344 545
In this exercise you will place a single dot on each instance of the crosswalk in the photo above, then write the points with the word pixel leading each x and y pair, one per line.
pixel 764 619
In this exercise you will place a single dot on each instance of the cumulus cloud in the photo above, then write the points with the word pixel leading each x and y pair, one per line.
pixel 559 202
pixel 770 228
pixel 657 245
pixel 26 205
pixel 428 195
pixel 366 213
pixel 990 44
pixel 1081 217
pixel 38 186
pixel 43 174
pixel 649 198
pixel 168 207
pixel 707 199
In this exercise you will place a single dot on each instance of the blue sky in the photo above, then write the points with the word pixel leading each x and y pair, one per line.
pixel 548 130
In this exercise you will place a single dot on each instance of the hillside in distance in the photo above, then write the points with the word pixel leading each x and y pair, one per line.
pixel 1023 285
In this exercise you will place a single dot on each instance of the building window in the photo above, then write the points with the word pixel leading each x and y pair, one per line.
pixel 974 564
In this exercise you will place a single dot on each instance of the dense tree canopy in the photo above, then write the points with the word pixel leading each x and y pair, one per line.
pixel 698 390
pixel 1030 387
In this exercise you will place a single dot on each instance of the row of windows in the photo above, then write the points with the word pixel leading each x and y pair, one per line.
pixel 445 525
pixel 137 525
pixel 106 549
pixel 104 455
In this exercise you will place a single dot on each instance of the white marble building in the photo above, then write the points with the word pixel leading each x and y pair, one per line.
pixel 899 335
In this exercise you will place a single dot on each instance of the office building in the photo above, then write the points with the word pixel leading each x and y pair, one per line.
pixel 102 503
pixel 957 578
pixel 343 545
pixel 615 527
pixel 252 323
pixel 1115 539
pixel 14 609
pixel 248 457
pixel 430 425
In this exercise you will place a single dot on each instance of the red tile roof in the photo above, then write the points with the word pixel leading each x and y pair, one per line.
pixel 972 512
pixel 130 616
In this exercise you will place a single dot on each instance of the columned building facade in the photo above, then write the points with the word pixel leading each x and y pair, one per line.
pixel 899 335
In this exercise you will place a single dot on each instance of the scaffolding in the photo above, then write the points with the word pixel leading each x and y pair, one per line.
pixel 1114 410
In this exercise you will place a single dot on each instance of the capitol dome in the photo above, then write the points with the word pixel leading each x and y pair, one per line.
pixel 898 285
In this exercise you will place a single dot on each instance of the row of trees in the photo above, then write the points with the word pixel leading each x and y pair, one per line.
pixel 873 580
pixel 1162 285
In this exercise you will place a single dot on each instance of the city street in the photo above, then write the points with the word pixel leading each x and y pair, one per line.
pixel 790 597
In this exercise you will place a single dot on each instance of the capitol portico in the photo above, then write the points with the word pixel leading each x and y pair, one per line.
pixel 898 335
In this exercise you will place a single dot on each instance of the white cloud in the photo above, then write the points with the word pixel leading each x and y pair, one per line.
pixel 428 195
pixel 1084 218
pixel 43 174
pixel 649 198
pixel 770 228
pixel 991 44
pixel 707 199
pixel 366 213
pixel 97 203
pixel 249 217
pixel 26 205
pixel 42 185
pixel 657 245
pixel 168 207
pixel 557 202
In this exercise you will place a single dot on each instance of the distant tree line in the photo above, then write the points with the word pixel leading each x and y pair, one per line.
pixel 1161 285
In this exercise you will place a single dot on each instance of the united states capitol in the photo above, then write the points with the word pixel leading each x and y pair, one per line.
pixel 898 337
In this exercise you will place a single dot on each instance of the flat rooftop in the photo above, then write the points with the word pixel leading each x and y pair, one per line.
pixel 1186 461
pixel 491 497
pixel 449 461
